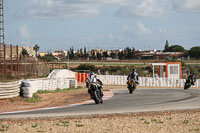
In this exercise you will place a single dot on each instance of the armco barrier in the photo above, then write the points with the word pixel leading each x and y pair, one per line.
pixel 9 90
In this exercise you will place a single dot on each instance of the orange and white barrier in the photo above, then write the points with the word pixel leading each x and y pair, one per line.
pixel 81 77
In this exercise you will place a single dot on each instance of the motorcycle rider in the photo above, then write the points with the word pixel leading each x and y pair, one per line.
pixel 133 75
pixel 192 78
pixel 93 79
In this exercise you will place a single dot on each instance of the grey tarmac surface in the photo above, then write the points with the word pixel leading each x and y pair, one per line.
pixel 142 100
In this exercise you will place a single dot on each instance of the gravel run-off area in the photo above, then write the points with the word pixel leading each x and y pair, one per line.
pixel 184 121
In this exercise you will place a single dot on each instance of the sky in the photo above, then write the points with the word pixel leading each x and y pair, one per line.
pixel 105 24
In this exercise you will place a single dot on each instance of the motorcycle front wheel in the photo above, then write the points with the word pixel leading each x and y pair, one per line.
pixel 130 90
pixel 96 97
pixel 187 86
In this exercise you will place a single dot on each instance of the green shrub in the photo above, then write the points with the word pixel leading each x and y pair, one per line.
pixel 90 67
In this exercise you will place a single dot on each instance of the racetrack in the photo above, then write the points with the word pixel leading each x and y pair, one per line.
pixel 142 100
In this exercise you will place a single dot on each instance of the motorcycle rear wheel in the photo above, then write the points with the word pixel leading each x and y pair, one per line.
pixel 185 87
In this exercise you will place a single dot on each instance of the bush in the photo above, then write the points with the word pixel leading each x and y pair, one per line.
pixel 87 67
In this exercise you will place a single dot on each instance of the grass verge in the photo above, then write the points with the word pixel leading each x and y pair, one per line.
pixel 36 98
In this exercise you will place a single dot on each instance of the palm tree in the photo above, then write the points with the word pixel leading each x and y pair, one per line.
pixel 36 48
pixel 24 52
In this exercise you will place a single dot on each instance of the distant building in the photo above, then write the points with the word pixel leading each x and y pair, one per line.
pixel 60 53
pixel 113 51
pixel 43 54
pixel 157 54
pixel 30 50
pixel 8 51
pixel 95 51
pixel 168 70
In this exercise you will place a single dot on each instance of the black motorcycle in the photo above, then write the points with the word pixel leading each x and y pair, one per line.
pixel 131 85
pixel 95 93
pixel 187 84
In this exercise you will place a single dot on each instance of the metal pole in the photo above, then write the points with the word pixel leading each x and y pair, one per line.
pixel 11 59
pixel 17 52
pixel 153 71
pixel 2 37
pixel 68 61
pixel 4 59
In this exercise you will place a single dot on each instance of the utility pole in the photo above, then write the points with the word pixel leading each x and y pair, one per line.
pixel 68 67
pixel 2 32
pixel 2 37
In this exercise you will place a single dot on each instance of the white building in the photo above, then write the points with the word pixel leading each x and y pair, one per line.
pixel 168 70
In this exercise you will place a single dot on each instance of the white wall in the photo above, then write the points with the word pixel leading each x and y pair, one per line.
pixel 145 81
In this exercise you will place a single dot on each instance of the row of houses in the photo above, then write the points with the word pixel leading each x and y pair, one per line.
pixel 139 54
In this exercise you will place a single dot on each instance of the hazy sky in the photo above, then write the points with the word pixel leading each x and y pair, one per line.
pixel 107 24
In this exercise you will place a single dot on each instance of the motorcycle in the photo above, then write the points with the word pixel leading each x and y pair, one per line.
pixel 187 84
pixel 95 93
pixel 131 85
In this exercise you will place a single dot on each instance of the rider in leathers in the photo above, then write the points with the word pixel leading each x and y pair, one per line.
pixel 93 79
pixel 133 75
pixel 192 77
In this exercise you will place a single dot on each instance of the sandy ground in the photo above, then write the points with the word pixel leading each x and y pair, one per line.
pixel 47 100
pixel 155 122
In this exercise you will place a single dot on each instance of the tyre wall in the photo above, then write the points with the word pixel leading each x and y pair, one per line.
pixel 10 89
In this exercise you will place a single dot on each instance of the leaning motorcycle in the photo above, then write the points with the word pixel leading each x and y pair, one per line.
pixel 95 93
pixel 131 85
pixel 187 84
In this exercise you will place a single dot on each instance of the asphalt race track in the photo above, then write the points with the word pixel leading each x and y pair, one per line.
pixel 142 100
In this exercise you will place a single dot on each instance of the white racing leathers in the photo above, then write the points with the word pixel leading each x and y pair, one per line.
pixel 93 79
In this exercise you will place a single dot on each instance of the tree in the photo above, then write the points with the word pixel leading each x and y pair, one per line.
pixel 105 54
pixel 113 55
pixel 71 53
pixel 36 48
pixel 48 57
pixel 93 56
pixel 90 67
pixel 99 56
pixel 176 48
pixel 129 53
pixel 121 55
pixel 85 53
pixel 80 53
pixel 166 46
pixel 194 52
pixel 24 52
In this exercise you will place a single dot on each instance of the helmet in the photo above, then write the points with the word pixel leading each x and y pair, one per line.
pixel 91 73
pixel 193 74
pixel 134 70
